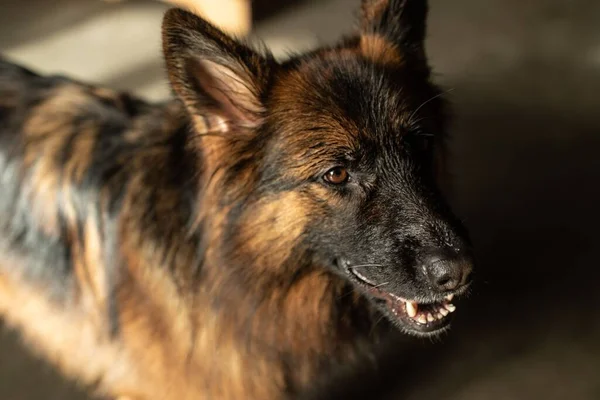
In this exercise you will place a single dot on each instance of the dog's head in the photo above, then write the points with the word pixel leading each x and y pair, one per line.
pixel 332 155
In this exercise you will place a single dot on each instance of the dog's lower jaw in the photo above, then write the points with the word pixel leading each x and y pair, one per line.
pixel 423 334
pixel 427 325
pixel 425 318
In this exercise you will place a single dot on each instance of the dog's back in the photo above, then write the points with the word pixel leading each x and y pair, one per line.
pixel 83 173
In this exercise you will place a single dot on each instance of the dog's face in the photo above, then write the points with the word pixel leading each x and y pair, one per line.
pixel 331 156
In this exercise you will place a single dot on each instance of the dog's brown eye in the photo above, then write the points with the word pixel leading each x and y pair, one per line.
pixel 336 176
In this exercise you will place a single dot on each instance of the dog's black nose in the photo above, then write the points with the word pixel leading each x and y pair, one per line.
pixel 446 271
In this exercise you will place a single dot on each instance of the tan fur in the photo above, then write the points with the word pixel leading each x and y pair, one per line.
pixel 379 50
pixel 178 308
pixel 71 339
pixel 372 9
pixel 286 216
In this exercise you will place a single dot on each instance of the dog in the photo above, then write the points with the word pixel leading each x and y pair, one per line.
pixel 244 240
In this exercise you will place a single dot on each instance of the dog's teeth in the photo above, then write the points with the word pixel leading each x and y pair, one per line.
pixel 439 316
pixel 450 297
pixel 444 312
pixel 422 319
pixel 450 307
pixel 430 317
pixel 411 309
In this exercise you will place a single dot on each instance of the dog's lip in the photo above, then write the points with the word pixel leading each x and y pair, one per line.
pixel 422 316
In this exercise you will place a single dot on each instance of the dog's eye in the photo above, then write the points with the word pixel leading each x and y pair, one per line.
pixel 336 176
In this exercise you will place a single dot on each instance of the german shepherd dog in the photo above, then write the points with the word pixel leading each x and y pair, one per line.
pixel 243 240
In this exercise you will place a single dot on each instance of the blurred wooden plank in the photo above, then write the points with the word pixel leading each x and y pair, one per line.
pixel 233 16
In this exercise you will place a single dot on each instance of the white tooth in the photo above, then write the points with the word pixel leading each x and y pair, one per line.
pixel 411 309
pixel 422 319
pixel 450 297
pixel 450 307
pixel 439 316
pixel 444 311
pixel 430 317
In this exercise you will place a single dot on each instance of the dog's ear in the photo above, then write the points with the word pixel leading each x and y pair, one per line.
pixel 401 22
pixel 220 81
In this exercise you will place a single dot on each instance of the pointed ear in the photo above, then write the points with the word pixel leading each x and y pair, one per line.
pixel 401 22
pixel 221 81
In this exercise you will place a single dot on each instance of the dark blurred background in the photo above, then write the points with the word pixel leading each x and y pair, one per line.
pixel 526 79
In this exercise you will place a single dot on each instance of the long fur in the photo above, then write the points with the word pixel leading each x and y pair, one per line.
pixel 183 250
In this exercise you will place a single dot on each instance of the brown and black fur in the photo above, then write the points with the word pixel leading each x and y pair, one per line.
pixel 188 250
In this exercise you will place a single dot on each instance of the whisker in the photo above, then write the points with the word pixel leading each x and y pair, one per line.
pixel 366 265
pixel 374 327
pixel 348 293
pixel 427 101
pixel 381 317
pixel 212 133
pixel 381 284
pixel 416 122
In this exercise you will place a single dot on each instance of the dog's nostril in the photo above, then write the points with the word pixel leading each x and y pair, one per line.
pixel 443 281
pixel 446 272
pixel 444 275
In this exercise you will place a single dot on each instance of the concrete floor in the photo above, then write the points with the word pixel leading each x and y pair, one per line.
pixel 526 78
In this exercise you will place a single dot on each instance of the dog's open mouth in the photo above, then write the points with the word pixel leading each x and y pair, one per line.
pixel 424 318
